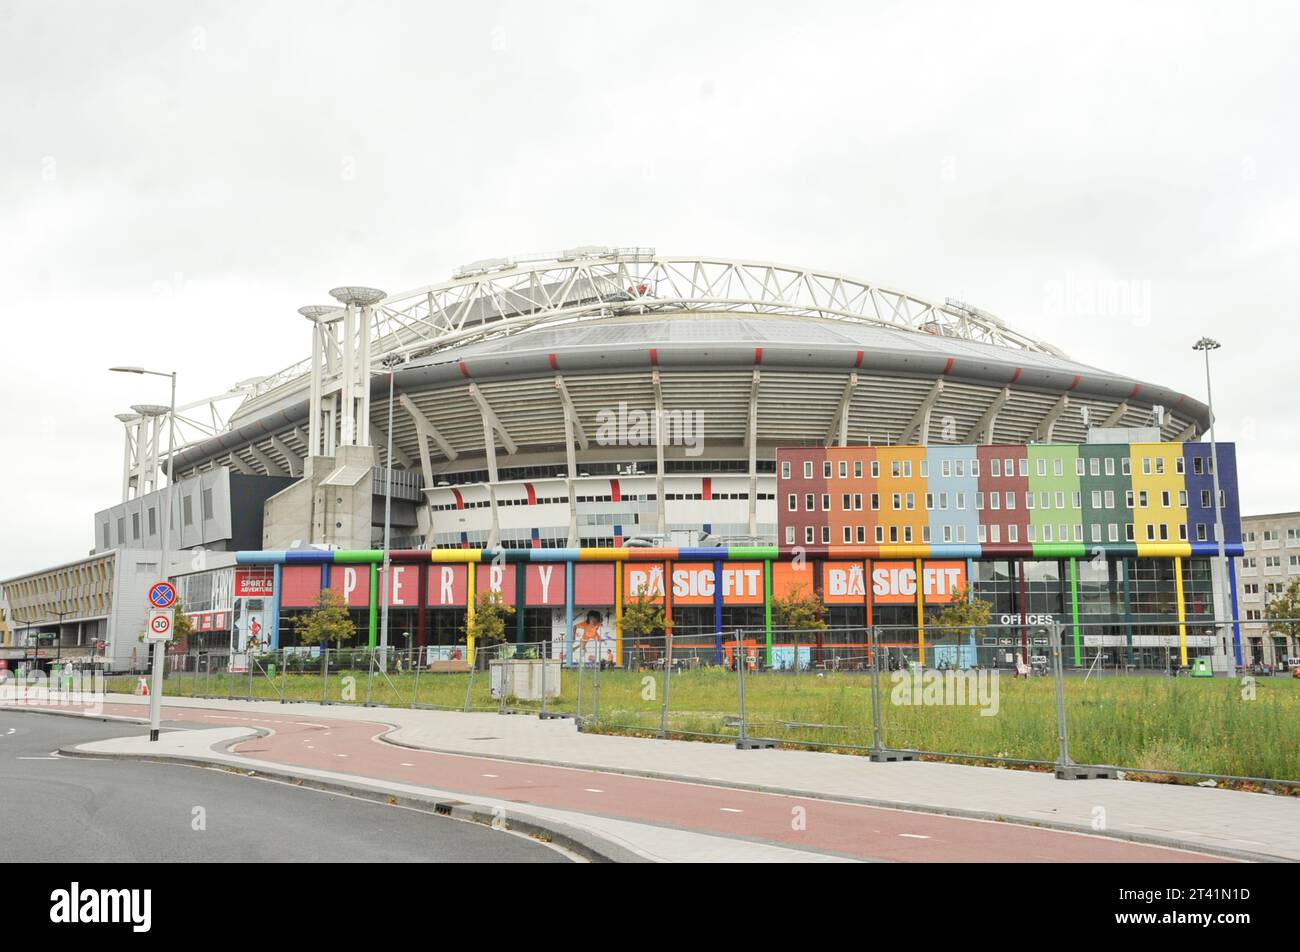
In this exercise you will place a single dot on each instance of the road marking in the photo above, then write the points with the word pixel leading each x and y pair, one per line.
pixel 731 810
pixel 340 755
pixel 36 758
pixel 594 790
pixel 492 775
pixel 407 765
pixel 914 836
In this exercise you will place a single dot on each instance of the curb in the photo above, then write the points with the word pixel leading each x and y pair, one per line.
pixel 589 846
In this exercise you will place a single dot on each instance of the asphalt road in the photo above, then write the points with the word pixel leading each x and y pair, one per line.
pixel 64 810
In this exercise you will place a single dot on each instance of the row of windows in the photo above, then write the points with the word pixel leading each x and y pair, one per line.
pixel 563 500
pixel 1101 499
pixel 1091 466
pixel 1272 535
pixel 993 533
pixel 151 514
pixel 1270 562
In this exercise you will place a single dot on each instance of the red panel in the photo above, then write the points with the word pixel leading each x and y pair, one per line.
pixel 544 583
pixel 353 583
pixel 594 584
pixel 500 578
pixel 706 487
pixel 447 585
pixel 404 585
pixel 299 586
pixel 255 582
pixel 615 491
pixel 532 494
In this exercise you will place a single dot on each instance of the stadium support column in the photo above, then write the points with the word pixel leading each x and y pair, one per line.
pixel 471 588
pixel 618 613
pixel 1182 611
pixel 277 572
pixel 920 614
pixel 521 599
pixel 374 605
pixel 1074 609
pixel 1236 611
pixel 1128 608
pixel 492 428
pixel 661 512
pixel 751 439
pixel 569 567
pixel 131 441
pixel 767 612
pixel 572 430
pixel 717 612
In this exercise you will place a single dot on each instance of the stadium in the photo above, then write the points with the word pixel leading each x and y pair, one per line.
pixel 613 405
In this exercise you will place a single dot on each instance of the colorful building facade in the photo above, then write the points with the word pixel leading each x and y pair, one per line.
pixel 1112 541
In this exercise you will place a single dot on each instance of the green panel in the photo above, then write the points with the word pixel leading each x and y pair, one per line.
pixel 1074 609
pixel 1059 550
pixel 343 556
pixel 767 611
pixel 374 605
pixel 739 552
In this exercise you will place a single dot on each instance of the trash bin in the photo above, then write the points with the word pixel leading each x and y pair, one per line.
pixel 270 670
pixel 1201 668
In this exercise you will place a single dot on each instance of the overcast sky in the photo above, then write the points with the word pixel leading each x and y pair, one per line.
pixel 176 178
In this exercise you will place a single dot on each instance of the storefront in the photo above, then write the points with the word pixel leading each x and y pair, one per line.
pixel 1118 608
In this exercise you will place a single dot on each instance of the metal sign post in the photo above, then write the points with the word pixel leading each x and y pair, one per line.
pixel 162 624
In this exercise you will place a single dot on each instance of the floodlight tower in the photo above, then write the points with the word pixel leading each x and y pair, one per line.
pixel 358 316
pixel 131 425
pixel 324 360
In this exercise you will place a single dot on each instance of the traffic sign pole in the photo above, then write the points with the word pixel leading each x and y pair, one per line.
pixel 162 596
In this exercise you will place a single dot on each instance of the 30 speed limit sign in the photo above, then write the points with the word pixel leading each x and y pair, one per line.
pixel 161 625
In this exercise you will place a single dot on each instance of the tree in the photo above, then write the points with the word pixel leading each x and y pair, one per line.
pixel 488 626
pixel 642 617
pixel 183 629
pixel 958 617
pixel 1284 612
pixel 798 611
pixel 328 622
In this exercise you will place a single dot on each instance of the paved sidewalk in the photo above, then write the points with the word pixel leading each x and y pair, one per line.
pixel 1223 821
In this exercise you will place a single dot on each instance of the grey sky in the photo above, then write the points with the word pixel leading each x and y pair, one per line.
pixel 177 177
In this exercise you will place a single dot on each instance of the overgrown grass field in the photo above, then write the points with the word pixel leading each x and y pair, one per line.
pixel 1138 723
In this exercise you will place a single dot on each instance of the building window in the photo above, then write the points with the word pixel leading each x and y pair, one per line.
pixel 135 526
pixel 1013 533
pixel 826 469
pixel 826 535
pixel 785 469
pixel 809 502
pixel 848 535
pixel 789 535
pixel 207 504
pixel 187 510
pixel 844 469
pixel 826 502
pixel 808 535
pixel 792 502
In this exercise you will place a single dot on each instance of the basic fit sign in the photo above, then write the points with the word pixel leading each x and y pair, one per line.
pixel 742 583
pixel 894 583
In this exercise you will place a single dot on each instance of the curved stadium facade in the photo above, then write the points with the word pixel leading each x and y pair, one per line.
pixel 637 397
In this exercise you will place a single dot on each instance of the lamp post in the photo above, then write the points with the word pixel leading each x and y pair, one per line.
pixel 1205 345
pixel 155 692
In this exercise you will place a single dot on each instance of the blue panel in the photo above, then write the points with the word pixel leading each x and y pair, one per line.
pixel 700 554
pixel 307 557
pixel 553 555
pixel 270 557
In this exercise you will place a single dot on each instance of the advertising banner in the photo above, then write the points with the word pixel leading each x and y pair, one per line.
pixel 894 583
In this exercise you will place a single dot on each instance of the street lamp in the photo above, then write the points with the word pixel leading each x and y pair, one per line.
pixel 155 694
pixel 1205 345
